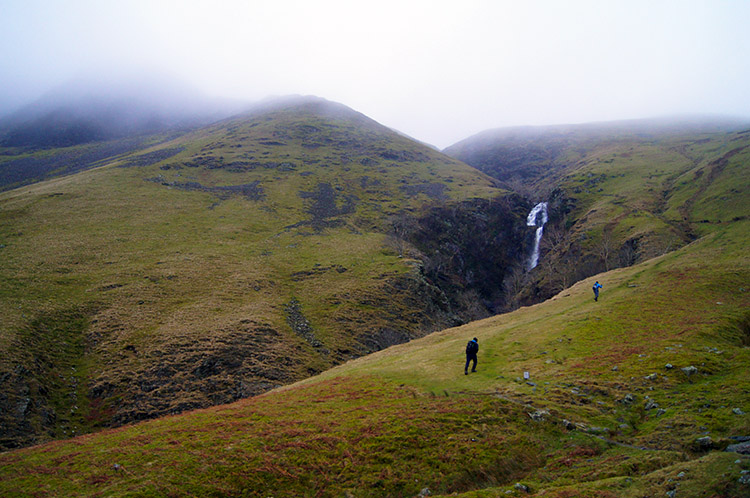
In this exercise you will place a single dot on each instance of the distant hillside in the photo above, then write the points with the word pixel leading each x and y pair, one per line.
pixel 618 193
pixel 85 124
pixel 234 259
pixel 534 153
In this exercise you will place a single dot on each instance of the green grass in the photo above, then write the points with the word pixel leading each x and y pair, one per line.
pixel 400 420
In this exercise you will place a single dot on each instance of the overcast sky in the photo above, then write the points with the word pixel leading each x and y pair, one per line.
pixel 436 70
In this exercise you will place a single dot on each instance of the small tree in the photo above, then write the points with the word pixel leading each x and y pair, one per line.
pixel 514 282
pixel 401 226
pixel 605 247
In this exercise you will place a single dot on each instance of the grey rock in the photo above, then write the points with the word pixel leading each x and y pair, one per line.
pixel 23 407
pixel 671 493
pixel 651 405
pixel 615 369
pixel 704 443
pixel 689 370
pixel 597 430
pixel 521 487
pixel 744 479
pixel 738 411
pixel 652 376
pixel 741 448
pixel 669 366
pixel 568 425
pixel 539 415
pixel 425 492
pixel 660 412
pixel 629 399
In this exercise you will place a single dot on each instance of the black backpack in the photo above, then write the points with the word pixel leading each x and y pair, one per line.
pixel 472 347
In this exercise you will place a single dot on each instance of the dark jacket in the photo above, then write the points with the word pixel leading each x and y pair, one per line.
pixel 472 347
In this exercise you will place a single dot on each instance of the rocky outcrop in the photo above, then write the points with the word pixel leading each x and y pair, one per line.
pixel 469 249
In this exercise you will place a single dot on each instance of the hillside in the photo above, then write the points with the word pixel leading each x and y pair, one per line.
pixel 618 193
pixel 632 396
pixel 225 262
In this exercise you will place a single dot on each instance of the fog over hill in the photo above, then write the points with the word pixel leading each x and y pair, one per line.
pixel 96 109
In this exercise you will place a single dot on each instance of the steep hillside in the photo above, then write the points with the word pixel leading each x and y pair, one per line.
pixel 223 263
pixel 636 395
pixel 21 166
pixel 617 193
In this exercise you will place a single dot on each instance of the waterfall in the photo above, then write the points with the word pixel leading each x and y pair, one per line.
pixel 537 218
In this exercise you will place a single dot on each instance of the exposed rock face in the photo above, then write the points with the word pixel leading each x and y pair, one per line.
pixel 193 373
pixel 470 249
pixel 301 325
pixel 741 447
pixel 42 391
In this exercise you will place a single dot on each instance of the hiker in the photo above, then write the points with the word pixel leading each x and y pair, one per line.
pixel 597 286
pixel 472 348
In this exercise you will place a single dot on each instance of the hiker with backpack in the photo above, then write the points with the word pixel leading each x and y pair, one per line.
pixel 472 348
pixel 596 288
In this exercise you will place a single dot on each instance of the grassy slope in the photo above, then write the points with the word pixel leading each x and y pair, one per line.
pixel 124 298
pixel 406 418
pixel 647 192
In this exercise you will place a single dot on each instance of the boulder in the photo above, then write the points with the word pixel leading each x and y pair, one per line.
pixel 521 487
pixel 651 404
pixel 539 415
pixel 704 443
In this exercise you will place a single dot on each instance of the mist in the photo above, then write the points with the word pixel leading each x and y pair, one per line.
pixel 437 71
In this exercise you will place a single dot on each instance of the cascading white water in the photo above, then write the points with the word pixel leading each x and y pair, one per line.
pixel 537 218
